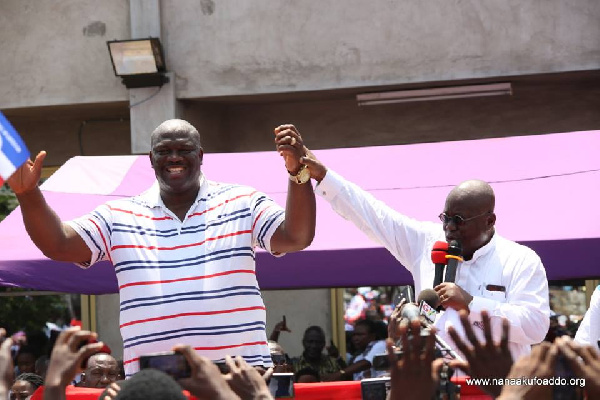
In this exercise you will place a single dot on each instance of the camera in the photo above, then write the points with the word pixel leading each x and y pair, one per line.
pixel 375 388
pixel 171 363
pixel 281 385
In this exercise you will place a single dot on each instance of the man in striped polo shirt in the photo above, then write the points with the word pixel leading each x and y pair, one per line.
pixel 183 251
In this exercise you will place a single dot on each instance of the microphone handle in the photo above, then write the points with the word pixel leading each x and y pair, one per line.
pixel 439 274
pixel 451 270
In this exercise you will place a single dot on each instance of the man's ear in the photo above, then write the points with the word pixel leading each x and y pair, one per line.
pixel 151 159
pixel 491 220
pixel 201 155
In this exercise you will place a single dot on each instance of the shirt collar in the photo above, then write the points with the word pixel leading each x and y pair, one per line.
pixel 482 251
pixel 151 197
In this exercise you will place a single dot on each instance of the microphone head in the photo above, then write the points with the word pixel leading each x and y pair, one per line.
pixel 438 253
pixel 430 297
pixel 410 311
pixel 455 248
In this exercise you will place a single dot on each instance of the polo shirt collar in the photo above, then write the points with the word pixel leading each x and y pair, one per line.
pixel 151 197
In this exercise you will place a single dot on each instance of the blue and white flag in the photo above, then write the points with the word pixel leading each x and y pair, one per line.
pixel 13 152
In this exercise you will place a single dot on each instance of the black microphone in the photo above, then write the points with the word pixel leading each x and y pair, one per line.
pixel 438 256
pixel 430 297
pixel 453 257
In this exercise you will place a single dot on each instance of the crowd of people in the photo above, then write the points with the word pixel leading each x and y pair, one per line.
pixel 78 355
pixel 183 255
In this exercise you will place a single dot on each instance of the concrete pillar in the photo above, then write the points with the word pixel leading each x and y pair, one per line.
pixel 148 106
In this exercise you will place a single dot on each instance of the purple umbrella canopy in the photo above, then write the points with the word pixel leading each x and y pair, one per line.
pixel 546 187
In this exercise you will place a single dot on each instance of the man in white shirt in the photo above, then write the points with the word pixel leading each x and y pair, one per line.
pixel 498 275
pixel 589 329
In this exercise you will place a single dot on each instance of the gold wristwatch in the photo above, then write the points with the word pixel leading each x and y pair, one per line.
pixel 302 176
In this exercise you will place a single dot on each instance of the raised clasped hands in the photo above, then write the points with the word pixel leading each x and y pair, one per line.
pixel 290 146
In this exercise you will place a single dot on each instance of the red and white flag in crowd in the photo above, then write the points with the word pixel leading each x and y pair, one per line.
pixel 13 152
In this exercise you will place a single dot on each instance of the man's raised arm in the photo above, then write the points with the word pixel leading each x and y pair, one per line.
pixel 298 229
pixel 55 239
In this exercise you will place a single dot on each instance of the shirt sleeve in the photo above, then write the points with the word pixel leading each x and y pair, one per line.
pixel 526 306
pixel 404 237
pixel 266 218
pixel 94 228
pixel 589 329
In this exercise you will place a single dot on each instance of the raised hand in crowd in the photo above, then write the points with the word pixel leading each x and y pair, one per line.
pixel 68 355
pixel 395 318
pixel 332 350
pixel 279 327
pixel 584 361
pixel 539 364
pixel 6 365
pixel 488 360
pixel 416 374
pixel 206 380
pixel 111 391
pixel 245 380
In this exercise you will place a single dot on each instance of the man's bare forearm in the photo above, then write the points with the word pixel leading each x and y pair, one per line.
pixel 56 240
pixel 300 219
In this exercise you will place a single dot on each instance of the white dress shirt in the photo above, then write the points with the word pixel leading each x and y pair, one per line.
pixel 589 329
pixel 501 262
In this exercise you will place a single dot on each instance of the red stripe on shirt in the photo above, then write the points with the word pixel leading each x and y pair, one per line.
pixel 139 215
pixel 103 239
pixel 235 271
pixel 141 321
pixel 219 205
pixel 139 246
pixel 211 348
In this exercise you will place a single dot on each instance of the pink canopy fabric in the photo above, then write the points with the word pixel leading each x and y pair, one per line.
pixel 546 186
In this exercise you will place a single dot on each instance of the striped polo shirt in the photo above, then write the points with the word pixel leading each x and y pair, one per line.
pixel 189 282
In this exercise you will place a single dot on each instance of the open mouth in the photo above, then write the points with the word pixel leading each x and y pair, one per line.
pixel 175 170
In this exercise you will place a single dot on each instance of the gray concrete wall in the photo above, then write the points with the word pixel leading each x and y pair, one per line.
pixel 54 52
pixel 242 47
pixel 107 314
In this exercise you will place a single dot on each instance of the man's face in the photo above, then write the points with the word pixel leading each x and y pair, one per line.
pixel 313 343
pixel 361 337
pixel 471 234
pixel 101 371
pixel 176 157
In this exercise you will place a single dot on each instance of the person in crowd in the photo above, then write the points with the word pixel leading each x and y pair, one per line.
pixel 160 240
pixel 497 274
pixel 360 365
pixel 307 375
pixel 25 360
pixel 313 342
pixel 101 370
pixel 589 328
pixel 25 385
